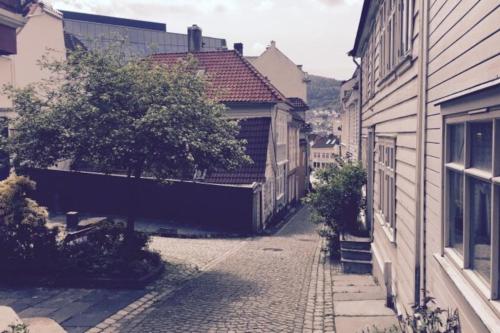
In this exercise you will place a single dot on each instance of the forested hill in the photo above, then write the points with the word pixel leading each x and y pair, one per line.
pixel 323 93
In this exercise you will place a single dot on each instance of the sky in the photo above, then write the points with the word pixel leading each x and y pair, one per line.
pixel 314 33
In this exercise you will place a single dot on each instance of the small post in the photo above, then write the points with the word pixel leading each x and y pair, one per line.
pixel 72 219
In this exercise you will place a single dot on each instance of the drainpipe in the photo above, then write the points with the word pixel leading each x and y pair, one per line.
pixel 420 244
pixel 360 99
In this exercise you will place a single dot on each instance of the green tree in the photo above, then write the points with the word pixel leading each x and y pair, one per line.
pixel 113 113
pixel 338 198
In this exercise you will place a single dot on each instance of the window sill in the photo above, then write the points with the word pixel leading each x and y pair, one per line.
pixel 486 309
pixel 388 231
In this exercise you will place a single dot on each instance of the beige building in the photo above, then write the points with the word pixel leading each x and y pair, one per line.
pixel 283 73
pixel 291 81
pixel 324 151
pixel 430 121
pixel 41 34
pixel 26 38
pixel 349 117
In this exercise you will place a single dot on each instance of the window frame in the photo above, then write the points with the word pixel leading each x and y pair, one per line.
pixel 489 288
pixel 385 166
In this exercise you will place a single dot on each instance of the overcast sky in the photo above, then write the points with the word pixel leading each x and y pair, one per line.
pixel 315 33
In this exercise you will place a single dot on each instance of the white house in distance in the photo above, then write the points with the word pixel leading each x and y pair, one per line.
pixel 324 151
pixel 430 113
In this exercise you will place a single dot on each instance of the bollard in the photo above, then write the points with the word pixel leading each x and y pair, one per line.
pixel 72 219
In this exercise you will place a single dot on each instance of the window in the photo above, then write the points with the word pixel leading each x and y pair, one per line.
pixel 386 166
pixel 472 195
pixel 280 181
pixel 396 31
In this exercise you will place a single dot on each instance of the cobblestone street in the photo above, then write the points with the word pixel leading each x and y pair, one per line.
pixel 278 283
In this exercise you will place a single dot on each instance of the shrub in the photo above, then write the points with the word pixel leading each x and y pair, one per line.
pixel 338 198
pixel 26 244
pixel 107 252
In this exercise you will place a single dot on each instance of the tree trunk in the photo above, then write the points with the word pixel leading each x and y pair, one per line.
pixel 133 198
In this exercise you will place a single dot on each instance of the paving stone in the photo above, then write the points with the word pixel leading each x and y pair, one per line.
pixel 379 295
pixel 43 325
pixel 358 324
pixel 7 317
pixel 362 308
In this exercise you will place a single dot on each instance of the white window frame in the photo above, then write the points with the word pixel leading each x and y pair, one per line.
pixel 395 39
pixel 385 165
pixel 489 288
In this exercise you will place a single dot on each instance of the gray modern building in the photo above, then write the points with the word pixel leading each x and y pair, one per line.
pixel 141 37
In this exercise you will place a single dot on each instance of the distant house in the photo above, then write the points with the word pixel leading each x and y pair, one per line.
pixel 430 113
pixel 283 73
pixel 141 38
pixel 22 45
pixel 292 82
pixel 350 117
pixel 324 151
pixel 266 119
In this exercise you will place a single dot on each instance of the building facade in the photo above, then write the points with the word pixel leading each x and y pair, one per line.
pixel 324 151
pixel 349 117
pixel 283 73
pixel 252 99
pixel 140 38
pixel 430 100
pixel 292 82
pixel 24 42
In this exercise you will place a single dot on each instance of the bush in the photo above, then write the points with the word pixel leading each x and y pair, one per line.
pixel 106 252
pixel 338 199
pixel 26 244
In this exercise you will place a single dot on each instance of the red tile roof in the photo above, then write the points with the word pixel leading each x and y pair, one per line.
pixel 233 78
pixel 256 132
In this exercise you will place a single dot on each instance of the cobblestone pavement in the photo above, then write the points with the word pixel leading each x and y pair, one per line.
pixel 270 284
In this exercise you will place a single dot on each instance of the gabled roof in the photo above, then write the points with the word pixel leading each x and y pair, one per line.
pixel 256 132
pixel 233 78
pixel 325 142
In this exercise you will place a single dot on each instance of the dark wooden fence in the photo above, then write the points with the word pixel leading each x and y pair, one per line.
pixel 227 207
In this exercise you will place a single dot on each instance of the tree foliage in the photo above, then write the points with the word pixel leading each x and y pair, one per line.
pixel 338 197
pixel 25 241
pixel 115 113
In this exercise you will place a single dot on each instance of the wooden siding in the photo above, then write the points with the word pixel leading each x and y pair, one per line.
pixel 463 53
pixel 392 110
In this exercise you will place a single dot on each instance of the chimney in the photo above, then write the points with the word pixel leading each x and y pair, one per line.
pixel 238 47
pixel 194 39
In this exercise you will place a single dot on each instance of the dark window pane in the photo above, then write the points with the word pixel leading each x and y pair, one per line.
pixel 456 143
pixel 480 223
pixel 455 211
pixel 481 144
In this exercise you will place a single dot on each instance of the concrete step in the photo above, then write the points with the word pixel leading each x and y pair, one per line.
pixel 356 244
pixel 356 254
pixel 42 325
pixel 356 266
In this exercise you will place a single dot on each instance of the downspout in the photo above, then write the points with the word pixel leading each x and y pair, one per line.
pixel 420 244
pixel 360 103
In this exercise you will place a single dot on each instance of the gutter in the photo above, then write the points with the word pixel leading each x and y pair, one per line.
pixel 420 244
